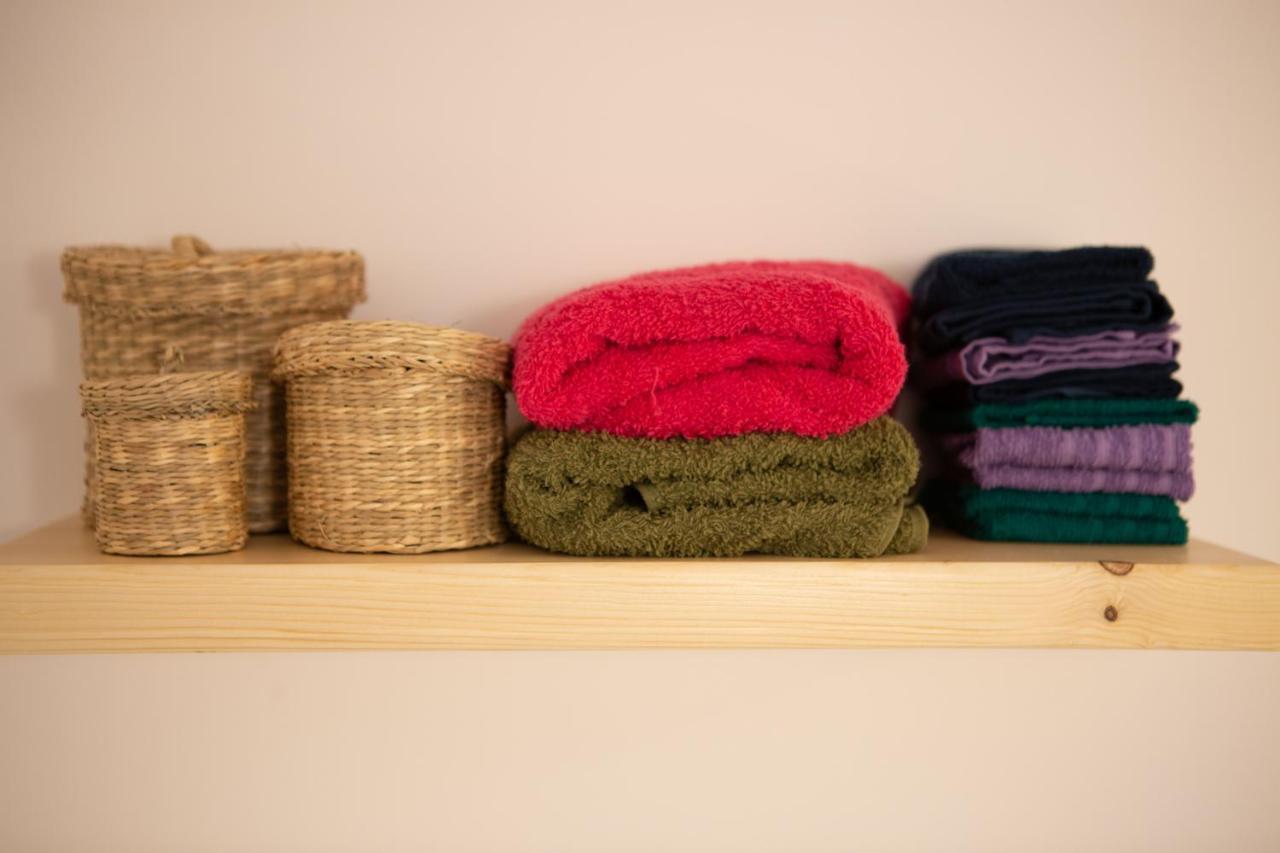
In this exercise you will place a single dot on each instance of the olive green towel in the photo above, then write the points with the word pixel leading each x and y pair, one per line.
pixel 604 495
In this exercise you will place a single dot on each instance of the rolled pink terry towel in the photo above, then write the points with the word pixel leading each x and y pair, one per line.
pixel 1146 459
pixel 989 360
pixel 808 347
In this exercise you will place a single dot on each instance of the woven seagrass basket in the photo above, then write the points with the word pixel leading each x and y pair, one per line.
pixel 168 458
pixel 148 311
pixel 396 436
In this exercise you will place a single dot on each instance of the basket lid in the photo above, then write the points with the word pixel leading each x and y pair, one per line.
pixel 169 395
pixel 354 345
pixel 191 278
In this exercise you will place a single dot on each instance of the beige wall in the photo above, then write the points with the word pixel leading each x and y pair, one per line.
pixel 488 156
pixel 776 752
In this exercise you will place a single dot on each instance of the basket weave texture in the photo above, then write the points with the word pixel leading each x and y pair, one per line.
pixel 168 454
pixel 148 311
pixel 396 436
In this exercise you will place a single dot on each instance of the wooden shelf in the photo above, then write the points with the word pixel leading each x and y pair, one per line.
pixel 59 594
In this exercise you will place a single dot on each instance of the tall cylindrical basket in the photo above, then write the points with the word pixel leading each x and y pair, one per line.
pixel 396 436
pixel 146 311
pixel 168 460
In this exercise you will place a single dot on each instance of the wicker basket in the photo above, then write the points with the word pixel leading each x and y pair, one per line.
pixel 149 311
pixel 396 436
pixel 168 454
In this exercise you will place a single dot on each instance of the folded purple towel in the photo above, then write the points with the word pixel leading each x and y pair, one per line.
pixel 989 360
pixel 1147 459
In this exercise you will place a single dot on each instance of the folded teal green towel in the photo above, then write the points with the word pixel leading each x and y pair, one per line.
pixel 1062 413
pixel 1026 516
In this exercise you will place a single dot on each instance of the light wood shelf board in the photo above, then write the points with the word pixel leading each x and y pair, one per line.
pixel 59 594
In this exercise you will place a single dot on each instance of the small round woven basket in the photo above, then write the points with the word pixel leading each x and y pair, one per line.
pixel 168 460
pixel 396 435
pixel 145 311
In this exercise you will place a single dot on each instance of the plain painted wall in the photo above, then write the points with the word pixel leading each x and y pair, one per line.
pixel 776 752
pixel 486 157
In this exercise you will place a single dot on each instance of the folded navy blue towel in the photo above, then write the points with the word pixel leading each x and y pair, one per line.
pixel 1015 295
pixel 1077 309
pixel 977 274
pixel 1139 381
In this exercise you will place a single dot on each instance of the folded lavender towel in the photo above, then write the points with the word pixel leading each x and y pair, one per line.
pixel 1147 459
pixel 989 360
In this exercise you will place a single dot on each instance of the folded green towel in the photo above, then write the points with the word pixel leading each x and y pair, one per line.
pixel 605 495
pixel 1024 516
pixel 1062 413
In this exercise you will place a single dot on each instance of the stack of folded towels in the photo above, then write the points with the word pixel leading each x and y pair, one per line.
pixel 717 411
pixel 1048 377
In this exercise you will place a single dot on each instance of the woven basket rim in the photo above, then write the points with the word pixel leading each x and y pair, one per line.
pixel 168 395
pixel 201 280
pixel 164 261
pixel 352 346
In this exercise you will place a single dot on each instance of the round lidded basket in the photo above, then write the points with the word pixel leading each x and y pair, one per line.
pixel 396 435
pixel 168 461
pixel 145 311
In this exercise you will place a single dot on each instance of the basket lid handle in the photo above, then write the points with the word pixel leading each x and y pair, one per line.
pixel 189 245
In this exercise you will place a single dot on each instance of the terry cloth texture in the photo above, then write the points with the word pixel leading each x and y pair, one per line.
pixel 603 495
pixel 989 360
pixel 1062 413
pixel 811 348
pixel 1015 515
pixel 1080 309
pixel 1142 380
pixel 1019 295
pixel 975 275
pixel 1152 460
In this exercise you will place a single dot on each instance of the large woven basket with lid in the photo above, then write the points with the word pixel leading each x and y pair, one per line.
pixel 396 436
pixel 145 311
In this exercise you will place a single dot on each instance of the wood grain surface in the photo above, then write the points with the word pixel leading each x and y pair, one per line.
pixel 59 594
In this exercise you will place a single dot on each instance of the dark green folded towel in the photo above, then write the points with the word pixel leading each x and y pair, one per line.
pixel 605 495
pixel 1024 516
pixel 1062 413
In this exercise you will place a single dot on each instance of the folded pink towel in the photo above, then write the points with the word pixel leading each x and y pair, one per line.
pixel 808 347
pixel 989 360
pixel 1147 459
